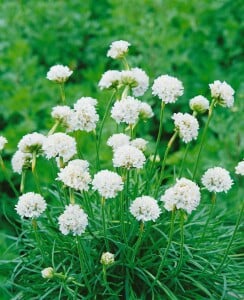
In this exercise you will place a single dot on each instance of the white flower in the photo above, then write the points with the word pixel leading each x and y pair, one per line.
pixel 142 82
pixel 73 220
pixel 76 175
pixel 59 73
pixel 60 145
pixel 128 157
pixel 127 78
pixel 187 125
pixel 110 79
pixel 217 180
pixel 62 113
pixel 145 208
pixel 127 110
pixel 3 141
pixel 145 110
pixel 85 116
pixel 21 161
pixel 30 205
pixel 167 88
pixel 107 183
pixel 185 194
pixel 31 142
pixel 199 104
pixel 239 169
pixel 223 93
pixel 107 258
pixel 139 143
pixel 118 140
pixel 118 49
pixel 47 273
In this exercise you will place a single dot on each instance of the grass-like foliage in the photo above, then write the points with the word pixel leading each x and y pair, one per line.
pixel 136 226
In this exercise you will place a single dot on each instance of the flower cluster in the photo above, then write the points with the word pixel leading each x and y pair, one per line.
pixel 128 157
pixel 187 125
pixel 107 259
pixel 31 142
pixel 199 104
pixel 239 169
pixel 185 194
pixel 223 93
pixel 217 180
pixel 59 73
pixel 74 220
pixel 145 209
pixel 3 142
pixel 118 49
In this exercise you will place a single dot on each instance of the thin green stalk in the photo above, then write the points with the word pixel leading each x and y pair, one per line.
pixel 131 131
pixel 88 205
pixel 104 223
pixel 122 219
pixel 179 266
pixel 82 263
pixel 158 138
pixel 37 237
pixel 71 196
pixel 125 63
pixel 184 159
pixel 98 141
pixel 53 129
pixel 62 93
pixel 171 232
pixel 22 183
pixel 138 242
pixel 230 241
pixel 169 145
pixel 33 163
pixel 210 113
pixel 36 179
pixel 213 200
pixel 7 177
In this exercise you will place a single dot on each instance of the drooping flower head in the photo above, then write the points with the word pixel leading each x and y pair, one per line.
pixel 74 220
pixel 76 175
pixel 167 88
pixel 118 49
pixel 185 194
pixel 59 73
pixel 3 142
pixel 85 116
pixel 187 125
pixel 223 93
pixel 107 183
pixel 127 110
pixel 128 157
pixel 60 145
pixel 199 104
pixel 118 140
pixel 217 180
pixel 145 209
pixel 31 142
pixel 239 169
pixel 21 161
pixel 107 259
pixel 30 205
pixel 110 79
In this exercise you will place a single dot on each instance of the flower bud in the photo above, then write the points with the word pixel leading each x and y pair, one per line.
pixel 48 273
pixel 107 258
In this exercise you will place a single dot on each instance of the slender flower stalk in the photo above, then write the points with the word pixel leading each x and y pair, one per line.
pixel 53 129
pixel 71 196
pixel 179 266
pixel 213 201
pixel 138 242
pixel 210 113
pixel 104 222
pixel 62 93
pixel 230 241
pixel 169 145
pixel 184 160
pixel 37 237
pixel 171 232
pixel 7 177
pixel 125 63
pixel 101 128
pixel 22 182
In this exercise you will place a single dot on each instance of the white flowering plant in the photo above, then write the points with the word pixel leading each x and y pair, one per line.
pixel 134 227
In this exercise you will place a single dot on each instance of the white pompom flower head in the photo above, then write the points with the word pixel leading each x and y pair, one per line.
pixel 128 157
pixel 223 93
pixel 59 73
pixel 199 104
pixel 187 125
pixel 145 208
pixel 239 169
pixel 3 142
pixel 118 49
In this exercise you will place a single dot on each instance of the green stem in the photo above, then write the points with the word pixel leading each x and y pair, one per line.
pixel 171 232
pixel 82 263
pixel 22 183
pixel 131 131
pixel 169 145
pixel 71 196
pixel 138 242
pixel 230 241
pixel 179 266
pixel 35 227
pixel 184 159
pixel 62 93
pixel 88 205
pixel 101 128
pixel 7 177
pixel 125 92
pixel 158 138
pixel 210 113
pixel 104 223
pixel 52 130
pixel 213 200
pixel 125 63
pixel 122 219
pixel 33 163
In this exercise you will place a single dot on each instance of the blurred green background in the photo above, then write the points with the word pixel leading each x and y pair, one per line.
pixel 196 41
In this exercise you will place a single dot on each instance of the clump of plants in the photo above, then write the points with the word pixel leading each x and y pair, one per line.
pixel 135 230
